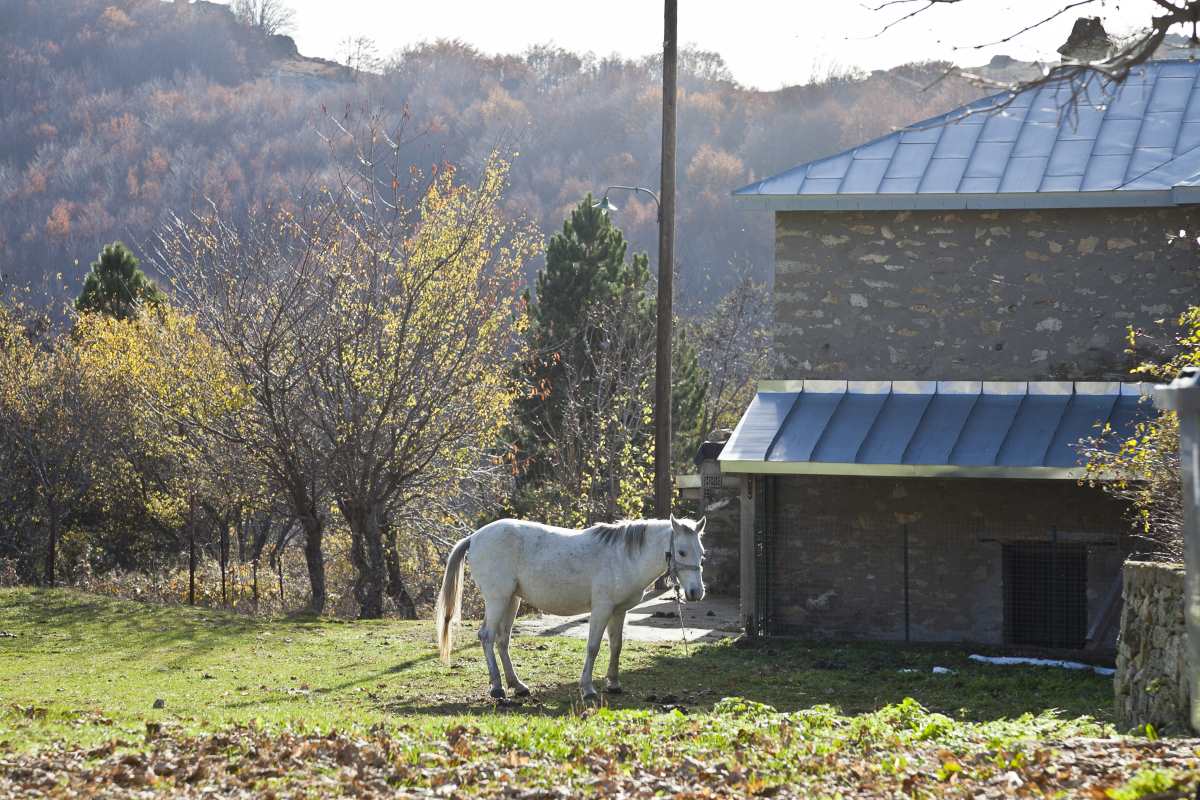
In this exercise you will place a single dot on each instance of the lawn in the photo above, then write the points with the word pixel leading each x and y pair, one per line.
pixel 251 705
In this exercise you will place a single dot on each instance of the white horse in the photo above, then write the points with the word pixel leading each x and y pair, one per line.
pixel 605 569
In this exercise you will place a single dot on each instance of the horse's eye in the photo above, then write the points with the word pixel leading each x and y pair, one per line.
pixel 681 552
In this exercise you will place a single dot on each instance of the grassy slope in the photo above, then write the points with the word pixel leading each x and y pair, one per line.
pixel 89 660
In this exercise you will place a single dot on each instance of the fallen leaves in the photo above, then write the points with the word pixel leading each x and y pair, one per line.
pixel 248 761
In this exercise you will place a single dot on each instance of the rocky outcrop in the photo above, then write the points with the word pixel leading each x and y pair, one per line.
pixel 1152 681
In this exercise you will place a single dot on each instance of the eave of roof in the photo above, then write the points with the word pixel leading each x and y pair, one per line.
pixel 734 467
pixel 1177 196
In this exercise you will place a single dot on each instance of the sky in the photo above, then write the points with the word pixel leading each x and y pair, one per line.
pixel 766 43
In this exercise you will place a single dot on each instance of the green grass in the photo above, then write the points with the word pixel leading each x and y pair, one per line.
pixel 80 670
pixel 89 664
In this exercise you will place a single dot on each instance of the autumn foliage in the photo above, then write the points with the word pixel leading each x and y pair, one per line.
pixel 114 114
pixel 1144 467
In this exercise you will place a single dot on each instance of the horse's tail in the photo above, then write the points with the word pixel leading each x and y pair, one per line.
pixel 449 603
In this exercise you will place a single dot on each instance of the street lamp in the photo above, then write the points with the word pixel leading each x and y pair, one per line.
pixel 608 206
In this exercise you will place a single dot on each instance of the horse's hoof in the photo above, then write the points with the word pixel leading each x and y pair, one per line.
pixel 615 690
pixel 497 694
pixel 521 692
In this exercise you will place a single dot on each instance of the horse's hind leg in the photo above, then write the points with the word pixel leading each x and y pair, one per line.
pixel 502 638
pixel 495 610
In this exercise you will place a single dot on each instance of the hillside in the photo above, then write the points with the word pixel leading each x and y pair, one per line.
pixel 117 113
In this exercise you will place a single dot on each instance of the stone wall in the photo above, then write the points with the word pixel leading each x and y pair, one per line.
pixel 975 295
pixel 1152 679
pixel 920 558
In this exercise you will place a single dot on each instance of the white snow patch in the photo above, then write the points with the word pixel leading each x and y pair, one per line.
pixel 942 671
pixel 1041 662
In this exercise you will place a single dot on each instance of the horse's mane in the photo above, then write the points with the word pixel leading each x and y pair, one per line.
pixel 631 534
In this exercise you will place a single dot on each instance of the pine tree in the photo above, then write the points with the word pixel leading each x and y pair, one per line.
pixel 588 294
pixel 585 266
pixel 116 286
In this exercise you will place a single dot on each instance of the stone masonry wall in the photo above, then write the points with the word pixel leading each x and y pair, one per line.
pixel 722 531
pixel 975 295
pixel 838 553
pixel 1151 685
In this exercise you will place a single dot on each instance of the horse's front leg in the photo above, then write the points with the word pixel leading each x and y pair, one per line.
pixel 616 632
pixel 597 623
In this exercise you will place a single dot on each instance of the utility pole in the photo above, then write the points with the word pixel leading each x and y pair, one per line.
pixel 663 490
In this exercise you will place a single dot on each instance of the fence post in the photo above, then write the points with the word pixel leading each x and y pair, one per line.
pixel 1182 396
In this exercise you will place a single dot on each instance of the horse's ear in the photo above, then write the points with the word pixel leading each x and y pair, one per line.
pixel 674 522
pixel 700 525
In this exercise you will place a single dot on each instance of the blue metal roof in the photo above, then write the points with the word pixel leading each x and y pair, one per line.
pixel 928 428
pixel 1131 144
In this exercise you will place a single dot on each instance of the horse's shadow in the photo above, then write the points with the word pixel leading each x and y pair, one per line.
pixel 789 675
pixel 548 697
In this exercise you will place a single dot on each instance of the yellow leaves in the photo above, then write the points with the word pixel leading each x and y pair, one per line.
pixel 162 370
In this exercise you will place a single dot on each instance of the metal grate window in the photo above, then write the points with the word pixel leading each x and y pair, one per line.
pixel 1045 594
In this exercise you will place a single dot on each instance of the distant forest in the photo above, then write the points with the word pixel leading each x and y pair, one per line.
pixel 115 114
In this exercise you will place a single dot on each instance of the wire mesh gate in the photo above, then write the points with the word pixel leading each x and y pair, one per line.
pixel 821 576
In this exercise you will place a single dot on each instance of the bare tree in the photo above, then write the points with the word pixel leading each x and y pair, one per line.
pixel 360 54
pixel 272 17
pixel 375 324
pixel 260 297
pixel 1110 64
pixel 600 442
pixel 734 348
pixel 417 380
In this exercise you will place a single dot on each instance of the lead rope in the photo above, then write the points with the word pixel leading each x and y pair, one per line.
pixel 673 577
pixel 679 613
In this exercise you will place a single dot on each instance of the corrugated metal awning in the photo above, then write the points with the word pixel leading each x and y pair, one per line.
pixel 985 429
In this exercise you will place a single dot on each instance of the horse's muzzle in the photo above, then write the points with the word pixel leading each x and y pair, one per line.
pixel 694 595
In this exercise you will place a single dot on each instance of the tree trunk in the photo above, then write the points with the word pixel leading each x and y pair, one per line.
pixel 282 608
pixel 315 558
pixel 223 554
pixel 192 553
pixel 254 579
pixel 367 555
pixel 52 545
pixel 405 607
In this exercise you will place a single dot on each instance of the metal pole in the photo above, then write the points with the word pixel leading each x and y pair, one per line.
pixel 1183 397
pixel 666 262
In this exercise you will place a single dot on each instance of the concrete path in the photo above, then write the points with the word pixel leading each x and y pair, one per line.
pixel 653 621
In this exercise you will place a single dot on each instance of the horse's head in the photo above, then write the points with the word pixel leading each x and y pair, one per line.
pixel 687 556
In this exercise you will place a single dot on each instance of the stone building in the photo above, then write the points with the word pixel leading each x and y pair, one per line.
pixel 952 302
